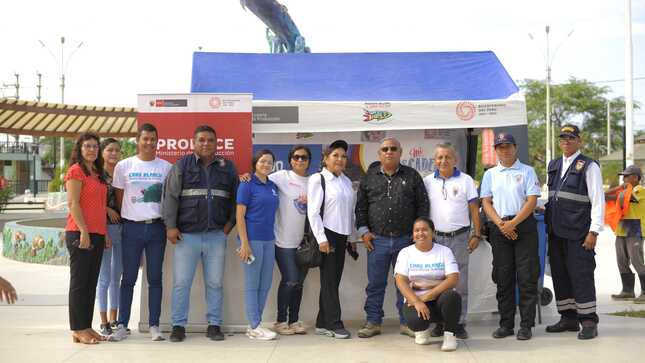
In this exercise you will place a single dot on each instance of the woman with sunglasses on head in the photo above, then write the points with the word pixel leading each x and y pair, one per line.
pixel 85 234
pixel 111 264
pixel 331 230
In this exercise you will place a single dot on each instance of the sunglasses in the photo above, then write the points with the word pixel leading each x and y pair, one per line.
pixel 389 148
pixel 300 157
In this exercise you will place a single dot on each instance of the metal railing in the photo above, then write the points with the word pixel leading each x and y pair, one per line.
pixel 19 186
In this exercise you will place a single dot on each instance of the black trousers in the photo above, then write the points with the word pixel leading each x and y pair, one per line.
pixel 331 271
pixel 516 262
pixel 445 309
pixel 84 268
pixel 572 269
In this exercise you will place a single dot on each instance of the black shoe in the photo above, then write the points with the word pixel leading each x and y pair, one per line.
pixel 524 334
pixel 588 332
pixel 502 332
pixel 461 332
pixel 178 334
pixel 437 331
pixel 214 333
pixel 562 326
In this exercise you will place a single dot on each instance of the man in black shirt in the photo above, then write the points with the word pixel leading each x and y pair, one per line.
pixel 390 197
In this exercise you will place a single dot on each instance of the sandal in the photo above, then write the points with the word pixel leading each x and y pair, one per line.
pixel 83 339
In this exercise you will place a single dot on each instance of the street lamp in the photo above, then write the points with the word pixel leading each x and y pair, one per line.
pixel 548 60
pixel 34 151
pixel 63 63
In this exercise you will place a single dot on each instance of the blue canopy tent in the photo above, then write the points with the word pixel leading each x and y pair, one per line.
pixel 342 92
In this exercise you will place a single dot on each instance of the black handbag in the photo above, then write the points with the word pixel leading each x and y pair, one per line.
pixel 307 254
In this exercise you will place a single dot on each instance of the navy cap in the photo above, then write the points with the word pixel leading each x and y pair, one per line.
pixel 504 138
pixel 570 131
pixel 339 144
pixel 632 170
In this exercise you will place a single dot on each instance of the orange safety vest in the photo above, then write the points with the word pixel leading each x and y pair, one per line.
pixel 616 209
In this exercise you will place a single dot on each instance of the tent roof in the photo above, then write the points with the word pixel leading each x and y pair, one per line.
pixel 55 119
pixel 439 76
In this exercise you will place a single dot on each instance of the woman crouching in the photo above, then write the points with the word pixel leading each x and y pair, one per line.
pixel 426 275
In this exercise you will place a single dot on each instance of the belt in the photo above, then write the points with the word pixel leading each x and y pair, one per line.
pixel 508 218
pixel 453 233
pixel 145 221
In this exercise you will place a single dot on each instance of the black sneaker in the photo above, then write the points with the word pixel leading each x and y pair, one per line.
pixel 178 334
pixel 562 326
pixel 502 332
pixel 214 333
pixel 461 332
pixel 524 334
pixel 437 331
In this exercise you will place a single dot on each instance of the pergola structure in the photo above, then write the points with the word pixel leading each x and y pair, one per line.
pixel 18 117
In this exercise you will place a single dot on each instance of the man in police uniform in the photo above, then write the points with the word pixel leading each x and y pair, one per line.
pixel 199 212
pixel 574 215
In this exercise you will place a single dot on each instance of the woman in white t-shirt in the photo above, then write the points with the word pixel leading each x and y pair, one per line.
pixel 426 273
pixel 289 229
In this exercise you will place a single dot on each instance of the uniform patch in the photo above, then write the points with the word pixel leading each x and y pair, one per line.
pixel 580 164
pixel 518 178
pixel 455 190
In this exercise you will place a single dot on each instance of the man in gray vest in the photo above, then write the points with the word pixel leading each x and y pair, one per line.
pixel 575 216
pixel 199 212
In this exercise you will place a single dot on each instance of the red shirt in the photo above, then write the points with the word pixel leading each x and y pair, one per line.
pixel 93 201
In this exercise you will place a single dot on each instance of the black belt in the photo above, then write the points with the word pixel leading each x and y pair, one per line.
pixel 453 233
pixel 508 218
pixel 145 221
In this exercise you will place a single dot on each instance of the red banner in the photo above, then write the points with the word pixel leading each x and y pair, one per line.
pixel 176 117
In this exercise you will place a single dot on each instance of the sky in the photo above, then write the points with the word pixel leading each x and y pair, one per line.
pixel 142 46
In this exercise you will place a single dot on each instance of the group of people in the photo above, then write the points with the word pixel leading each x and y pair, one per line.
pixel 424 228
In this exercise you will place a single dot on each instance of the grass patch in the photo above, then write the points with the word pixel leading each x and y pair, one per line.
pixel 630 313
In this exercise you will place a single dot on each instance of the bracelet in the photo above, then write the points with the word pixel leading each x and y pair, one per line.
pixel 476 236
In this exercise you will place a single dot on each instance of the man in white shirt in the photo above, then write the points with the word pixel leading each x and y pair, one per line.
pixel 138 183
pixel 574 215
pixel 454 202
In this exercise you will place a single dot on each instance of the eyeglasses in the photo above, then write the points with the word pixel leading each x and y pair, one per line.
pixel 90 146
pixel 565 139
pixel 300 157
pixel 389 148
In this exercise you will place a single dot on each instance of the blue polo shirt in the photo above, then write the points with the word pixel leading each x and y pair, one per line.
pixel 261 201
pixel 509 187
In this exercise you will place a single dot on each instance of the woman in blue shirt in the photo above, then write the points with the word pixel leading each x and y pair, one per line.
pixel 257 203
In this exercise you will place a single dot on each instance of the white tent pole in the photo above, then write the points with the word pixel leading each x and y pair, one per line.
pixel 629 87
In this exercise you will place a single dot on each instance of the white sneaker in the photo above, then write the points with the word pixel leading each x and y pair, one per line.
pixel 422 337
pixel 283 329
pixel 155 334
pixel 449 342
pixel 298 327
pixel 119 333
pixel 260 333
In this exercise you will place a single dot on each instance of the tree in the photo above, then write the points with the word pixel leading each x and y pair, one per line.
pixel 579 102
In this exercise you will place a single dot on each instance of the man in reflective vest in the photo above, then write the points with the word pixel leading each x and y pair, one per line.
pixel 199 212
pixel 574 215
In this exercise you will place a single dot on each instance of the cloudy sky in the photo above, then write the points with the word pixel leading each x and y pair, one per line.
pixel 141 46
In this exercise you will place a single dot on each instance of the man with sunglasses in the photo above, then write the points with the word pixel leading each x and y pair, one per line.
pixel 574 215
pixel 454 204
pixel 390 197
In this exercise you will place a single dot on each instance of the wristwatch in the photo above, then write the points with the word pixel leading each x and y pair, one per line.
pixel 476 236
pixel 594 233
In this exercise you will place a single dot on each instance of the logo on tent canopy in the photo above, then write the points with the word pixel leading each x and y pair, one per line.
pixel 374 112
pixel 466 110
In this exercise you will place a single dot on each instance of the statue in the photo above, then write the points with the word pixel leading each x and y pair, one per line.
pixel 282 33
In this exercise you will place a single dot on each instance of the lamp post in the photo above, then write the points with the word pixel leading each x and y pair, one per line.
pixel 63 63
pixel 34 151
pixel 548 60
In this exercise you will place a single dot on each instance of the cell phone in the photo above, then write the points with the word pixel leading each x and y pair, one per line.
pixel 77 243
pixel 248 260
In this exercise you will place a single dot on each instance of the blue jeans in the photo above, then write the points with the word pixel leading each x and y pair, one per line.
pixel 138 237
pixel 290 289
pixel 257 280
pixel 210 247
pixel 386 250
pixel 111 269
